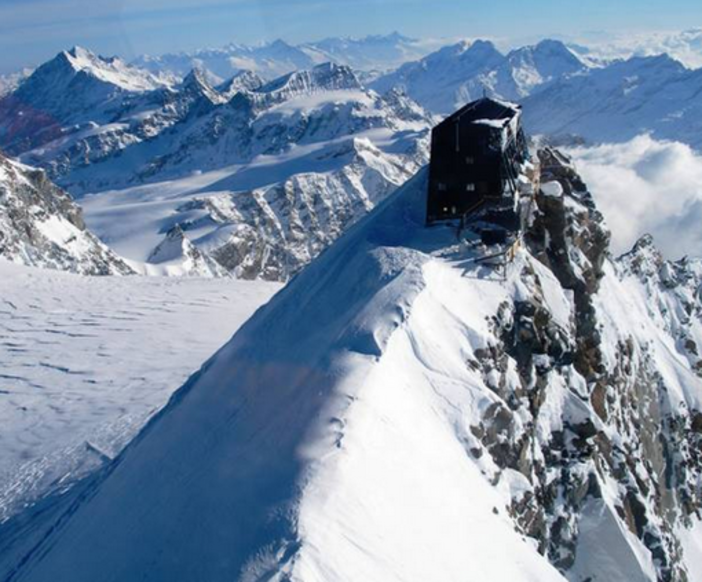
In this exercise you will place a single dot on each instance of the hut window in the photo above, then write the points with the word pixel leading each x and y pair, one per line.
pixel 442 187
pixel 470 160
pixel 470 187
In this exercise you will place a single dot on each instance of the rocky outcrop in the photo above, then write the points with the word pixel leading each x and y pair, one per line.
pixel 624 444
pixel 40 225
pixel 272 233
pixel 177 251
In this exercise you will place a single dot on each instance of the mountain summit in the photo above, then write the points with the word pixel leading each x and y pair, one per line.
pixel 404 411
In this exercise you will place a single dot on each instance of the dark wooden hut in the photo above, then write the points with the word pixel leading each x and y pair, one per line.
pixel 476 154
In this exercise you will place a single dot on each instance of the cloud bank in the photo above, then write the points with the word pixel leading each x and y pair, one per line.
pixel 647 186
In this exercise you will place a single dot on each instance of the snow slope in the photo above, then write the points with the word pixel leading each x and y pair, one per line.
pixel 305 427
pixel 401 412
pixel 87 360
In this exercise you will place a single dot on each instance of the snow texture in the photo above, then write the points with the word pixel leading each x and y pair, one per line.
pixel 87 361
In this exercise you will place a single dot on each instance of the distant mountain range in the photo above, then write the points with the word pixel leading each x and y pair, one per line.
pixel 270 60
pixel 684 46
pixel 251 177
pixel 655 95
pixel 457 74
pixel 184 172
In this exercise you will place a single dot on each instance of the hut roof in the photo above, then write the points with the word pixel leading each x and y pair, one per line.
pixel 486 111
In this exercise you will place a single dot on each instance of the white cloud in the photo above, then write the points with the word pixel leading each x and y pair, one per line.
pixel 647 186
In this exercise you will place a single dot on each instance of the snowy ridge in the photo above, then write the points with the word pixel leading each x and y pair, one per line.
pixel 324 77
pixel 40 225
pixel 400 411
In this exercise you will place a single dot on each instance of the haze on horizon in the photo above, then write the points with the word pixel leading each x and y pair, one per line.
pixel 32 31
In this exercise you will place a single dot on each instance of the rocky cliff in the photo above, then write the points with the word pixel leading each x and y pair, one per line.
pixel 40 225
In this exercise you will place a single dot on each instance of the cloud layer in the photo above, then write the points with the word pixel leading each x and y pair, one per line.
pixel 647 186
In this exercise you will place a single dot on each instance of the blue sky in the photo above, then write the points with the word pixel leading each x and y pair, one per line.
pixel 32 31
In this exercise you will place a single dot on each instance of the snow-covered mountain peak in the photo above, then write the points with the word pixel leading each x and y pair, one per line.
pixel 554 48
pixel 242 81
pixel 644 259
pixel 447 78
pixel 71 91
pixel 545 413
pixel 111 70
pixel 533 67
pixel 475 54
pixel 196 84
pixel 323 77
pixel 178 254
pixel 479 49
pixel 552 58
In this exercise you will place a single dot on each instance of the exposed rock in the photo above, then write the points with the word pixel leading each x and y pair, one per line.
pixel 40 225
pixel 619 424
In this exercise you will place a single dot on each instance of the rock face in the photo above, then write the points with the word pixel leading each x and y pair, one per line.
pixel 272 233
pixel 622 450
pixel 557 401
pixel 40 225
